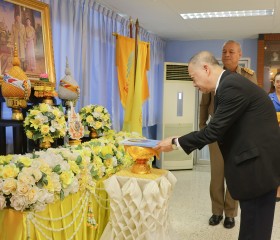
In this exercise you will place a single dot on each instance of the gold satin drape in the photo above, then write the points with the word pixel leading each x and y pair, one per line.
pixel 13 224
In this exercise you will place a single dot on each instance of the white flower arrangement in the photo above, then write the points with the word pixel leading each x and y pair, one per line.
pixel 31 181
pixel 45 123
pixel 96 117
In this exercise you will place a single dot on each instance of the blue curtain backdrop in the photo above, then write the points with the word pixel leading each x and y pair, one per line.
pixel 82 31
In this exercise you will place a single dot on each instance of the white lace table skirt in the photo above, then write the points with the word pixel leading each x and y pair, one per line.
pixel 138 207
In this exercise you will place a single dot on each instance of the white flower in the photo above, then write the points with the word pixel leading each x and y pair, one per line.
pixel 56 182
pixel 9 186
pixel 39 206
pixel 18 202
pixel 26 178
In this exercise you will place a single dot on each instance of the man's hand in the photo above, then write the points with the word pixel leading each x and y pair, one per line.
pixel 165 145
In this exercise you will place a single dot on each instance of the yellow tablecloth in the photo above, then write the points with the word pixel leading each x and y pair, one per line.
pixel 139 205
pixel 69 219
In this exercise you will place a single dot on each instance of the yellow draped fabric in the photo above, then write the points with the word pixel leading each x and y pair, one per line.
pixel 14 224
pixel 133 88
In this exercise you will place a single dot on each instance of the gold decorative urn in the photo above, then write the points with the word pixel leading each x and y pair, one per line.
pixel 16 88
pixel 68 89
pixel 141 157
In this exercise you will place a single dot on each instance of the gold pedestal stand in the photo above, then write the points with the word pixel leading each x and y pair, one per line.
pixel 48 100
pixel 92 133
pixel 141 156
pixel 16 104
pixel 45 145
pixel 141 166
pixel 74 142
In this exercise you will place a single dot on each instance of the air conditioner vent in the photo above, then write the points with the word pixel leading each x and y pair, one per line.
pixel 176 72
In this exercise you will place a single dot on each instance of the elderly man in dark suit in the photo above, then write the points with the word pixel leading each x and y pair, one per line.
pixel 221 200
pixel 246 129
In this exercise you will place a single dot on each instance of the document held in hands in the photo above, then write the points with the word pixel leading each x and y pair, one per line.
pixel 140 142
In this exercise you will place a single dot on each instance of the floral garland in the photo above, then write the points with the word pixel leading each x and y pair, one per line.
pixel 96 117
pixel 31 181
pixel 45 123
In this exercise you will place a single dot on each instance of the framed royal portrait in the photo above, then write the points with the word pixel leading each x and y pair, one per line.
pixel 26 25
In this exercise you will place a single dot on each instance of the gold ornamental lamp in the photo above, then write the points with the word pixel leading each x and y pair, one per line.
pixel 16 88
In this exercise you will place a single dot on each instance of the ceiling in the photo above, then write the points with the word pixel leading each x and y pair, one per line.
pixel 162 18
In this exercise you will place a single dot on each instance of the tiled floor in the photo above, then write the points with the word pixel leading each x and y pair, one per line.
pixel 190 209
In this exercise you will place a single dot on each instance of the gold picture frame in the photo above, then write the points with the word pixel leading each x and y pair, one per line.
pixel 27 13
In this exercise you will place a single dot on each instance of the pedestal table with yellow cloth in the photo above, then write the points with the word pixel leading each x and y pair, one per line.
pixel 139 205
pixel 63 220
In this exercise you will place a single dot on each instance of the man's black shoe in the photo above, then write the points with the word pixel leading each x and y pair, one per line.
pixel 215 220
pixel 229 222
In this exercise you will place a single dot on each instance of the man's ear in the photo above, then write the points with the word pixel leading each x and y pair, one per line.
pixel 206 68
pixel 240 54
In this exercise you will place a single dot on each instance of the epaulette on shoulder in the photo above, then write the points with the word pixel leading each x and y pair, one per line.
pixel 248 70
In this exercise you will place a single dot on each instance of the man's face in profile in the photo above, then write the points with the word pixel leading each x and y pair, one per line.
pixel 200 77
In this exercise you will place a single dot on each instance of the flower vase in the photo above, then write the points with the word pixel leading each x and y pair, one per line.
pixel 45 145
pixel 92 133
pixel 141 166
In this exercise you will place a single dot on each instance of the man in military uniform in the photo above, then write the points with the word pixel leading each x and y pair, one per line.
pixel 221 199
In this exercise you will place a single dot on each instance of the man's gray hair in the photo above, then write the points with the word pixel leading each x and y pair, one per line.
pixel 204 57
pixel 234 42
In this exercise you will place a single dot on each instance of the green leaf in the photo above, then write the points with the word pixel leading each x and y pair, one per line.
pixel 79 160
pixel 57 169
pixel 62 194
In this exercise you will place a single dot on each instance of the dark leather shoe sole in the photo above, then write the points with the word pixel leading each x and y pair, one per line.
pixel 215 220
pixel 229 222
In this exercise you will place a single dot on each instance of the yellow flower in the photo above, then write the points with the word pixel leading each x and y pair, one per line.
pixel 106 150
pixel 45 168
pixel 88 109
pixel 26 161
pixel 45 129
pixel 6 159
pixel 35 123
pixel 34 112
pixel 66 178
pixel 74 167
pixel 44 107
pixel 89 119
pixel 108 162
pixel 47 138
pixel 97 125
pixel 49 186
pixel 106 117
pixel 99 109
pixel 61 121
pixel 10 171
pixel 29 134
pixel 56 112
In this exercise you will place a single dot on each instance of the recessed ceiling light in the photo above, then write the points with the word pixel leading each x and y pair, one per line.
pixel 243 13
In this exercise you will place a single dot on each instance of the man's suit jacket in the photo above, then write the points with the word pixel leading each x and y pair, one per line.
pixel 246 129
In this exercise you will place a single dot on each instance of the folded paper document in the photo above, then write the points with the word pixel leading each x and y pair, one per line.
pixel 140 142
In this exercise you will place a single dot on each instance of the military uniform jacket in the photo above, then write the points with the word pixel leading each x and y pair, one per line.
pixel 246 129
